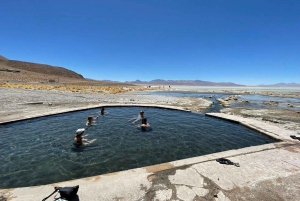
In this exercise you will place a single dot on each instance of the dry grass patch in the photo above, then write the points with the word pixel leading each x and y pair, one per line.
pixel 74 88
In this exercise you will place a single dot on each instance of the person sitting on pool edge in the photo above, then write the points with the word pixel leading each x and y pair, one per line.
pixel 144 124
pixel 78 139
pixel 90 121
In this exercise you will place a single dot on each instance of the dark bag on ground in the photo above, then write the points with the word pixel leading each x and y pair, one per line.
pixel 66 193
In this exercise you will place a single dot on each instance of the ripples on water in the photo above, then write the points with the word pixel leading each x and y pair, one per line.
pixel 41 151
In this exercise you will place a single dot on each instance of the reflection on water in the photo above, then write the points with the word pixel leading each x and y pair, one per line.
pixel 41 151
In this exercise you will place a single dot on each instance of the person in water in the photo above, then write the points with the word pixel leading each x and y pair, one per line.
pixel 140 116
pixel 91 120
pixel 78 139
pixel 144 124
pixel 102 112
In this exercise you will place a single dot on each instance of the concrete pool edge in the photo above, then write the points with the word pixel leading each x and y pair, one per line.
pixel 272 131
pixel 142 174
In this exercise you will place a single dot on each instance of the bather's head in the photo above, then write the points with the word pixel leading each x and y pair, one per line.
pixel 80 131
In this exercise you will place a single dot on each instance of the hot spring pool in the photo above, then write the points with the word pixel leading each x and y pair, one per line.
pixel 41 151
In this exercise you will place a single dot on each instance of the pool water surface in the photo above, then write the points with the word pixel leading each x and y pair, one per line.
pixel 41 151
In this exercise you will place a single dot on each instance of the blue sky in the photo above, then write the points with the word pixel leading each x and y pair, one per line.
pixel 242 41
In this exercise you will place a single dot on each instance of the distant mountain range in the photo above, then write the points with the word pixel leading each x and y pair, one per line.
pixel 204 83
pixel 183 82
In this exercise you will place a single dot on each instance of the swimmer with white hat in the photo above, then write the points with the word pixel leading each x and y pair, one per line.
pixel 79 138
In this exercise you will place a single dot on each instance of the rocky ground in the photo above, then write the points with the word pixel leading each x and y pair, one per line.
pixel 285 118
pixel 292 94
pixel 288 118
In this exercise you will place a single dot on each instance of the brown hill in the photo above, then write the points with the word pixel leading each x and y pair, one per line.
pixel 27 72
pixel 43 69
pixel 20 71
pixel 2 58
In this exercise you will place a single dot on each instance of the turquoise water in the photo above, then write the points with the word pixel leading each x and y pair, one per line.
pixel 41 151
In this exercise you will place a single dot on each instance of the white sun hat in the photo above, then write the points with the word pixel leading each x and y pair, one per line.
pixel 80 131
